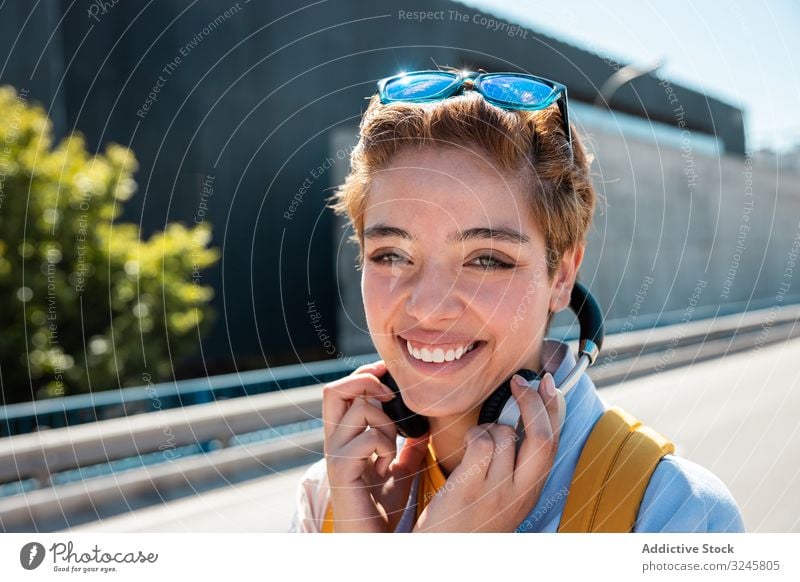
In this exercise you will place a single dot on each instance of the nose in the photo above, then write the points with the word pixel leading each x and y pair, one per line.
pixel 434 297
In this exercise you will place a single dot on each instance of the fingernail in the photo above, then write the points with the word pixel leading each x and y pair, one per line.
pixel 549 385
pixel 519 381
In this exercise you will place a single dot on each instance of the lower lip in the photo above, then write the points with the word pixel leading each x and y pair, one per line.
pixel 432 368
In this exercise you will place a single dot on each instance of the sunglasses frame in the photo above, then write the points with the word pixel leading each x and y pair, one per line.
pixel 558 93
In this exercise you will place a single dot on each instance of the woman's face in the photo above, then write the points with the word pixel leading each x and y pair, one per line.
pixel 455 269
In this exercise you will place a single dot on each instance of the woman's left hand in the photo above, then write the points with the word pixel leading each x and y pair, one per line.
pixel 492 489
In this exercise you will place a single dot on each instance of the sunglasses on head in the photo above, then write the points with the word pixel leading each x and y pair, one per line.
pixel 516 91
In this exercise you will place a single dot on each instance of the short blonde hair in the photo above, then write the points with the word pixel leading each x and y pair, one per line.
pixel 530 145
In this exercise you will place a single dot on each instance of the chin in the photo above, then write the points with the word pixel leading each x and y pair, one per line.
pixel 437 403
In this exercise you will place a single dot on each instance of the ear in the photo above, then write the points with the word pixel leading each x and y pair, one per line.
pixel 564 278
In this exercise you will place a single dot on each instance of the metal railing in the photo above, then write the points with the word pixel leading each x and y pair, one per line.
pixel 27 417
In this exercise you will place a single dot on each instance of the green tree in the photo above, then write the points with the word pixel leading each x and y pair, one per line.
pixel 85 304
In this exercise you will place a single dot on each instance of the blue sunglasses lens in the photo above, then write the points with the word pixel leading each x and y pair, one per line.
pixel 417 87
pixel 516 90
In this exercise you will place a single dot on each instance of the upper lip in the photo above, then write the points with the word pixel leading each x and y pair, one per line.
pixel 433 338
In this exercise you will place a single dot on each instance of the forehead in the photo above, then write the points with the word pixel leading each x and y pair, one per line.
pixel 462 184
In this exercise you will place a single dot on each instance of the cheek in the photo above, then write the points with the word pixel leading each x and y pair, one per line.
pixel 377 297
pixel 524 309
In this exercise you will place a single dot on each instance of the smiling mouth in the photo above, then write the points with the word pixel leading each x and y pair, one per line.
pixel 433 354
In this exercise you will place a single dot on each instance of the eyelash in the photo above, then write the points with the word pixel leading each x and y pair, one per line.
pixel 378 259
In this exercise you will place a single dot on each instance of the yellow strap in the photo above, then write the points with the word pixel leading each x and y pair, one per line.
pixel 612 474
pixel 431 480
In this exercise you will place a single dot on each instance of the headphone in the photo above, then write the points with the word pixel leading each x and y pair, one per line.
pixel 500 407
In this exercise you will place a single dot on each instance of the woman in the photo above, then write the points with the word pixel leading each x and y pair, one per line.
pixel 470 198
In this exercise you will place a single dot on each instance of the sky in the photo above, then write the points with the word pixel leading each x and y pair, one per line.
pixel 746 53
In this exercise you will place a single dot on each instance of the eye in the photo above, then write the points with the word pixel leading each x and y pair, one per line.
pixel 386 258
pixel 489 263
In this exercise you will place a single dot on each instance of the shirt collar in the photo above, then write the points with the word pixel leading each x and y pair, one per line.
pixel 557 359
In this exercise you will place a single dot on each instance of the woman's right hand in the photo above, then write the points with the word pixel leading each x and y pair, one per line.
pixel 369 482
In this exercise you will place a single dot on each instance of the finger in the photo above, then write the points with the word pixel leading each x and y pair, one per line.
pixel 365 445
pixel 376 368
pixel 409 460
pixel 534 453
pixel 553 403
pixel 529 396
pixel 478 454
pixel 504 454
pixel 337 396
pixel 358 417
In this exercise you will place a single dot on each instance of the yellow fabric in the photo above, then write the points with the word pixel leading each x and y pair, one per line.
pixel 431 480
pixel 327 522
pixel 612 474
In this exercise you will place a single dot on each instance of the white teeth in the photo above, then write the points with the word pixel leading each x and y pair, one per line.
pixel 438 355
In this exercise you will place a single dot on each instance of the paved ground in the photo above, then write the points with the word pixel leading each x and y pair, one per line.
pixel 258 505
pixel 736 415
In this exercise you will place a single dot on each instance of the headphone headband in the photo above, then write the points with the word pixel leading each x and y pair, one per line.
pixel 590 319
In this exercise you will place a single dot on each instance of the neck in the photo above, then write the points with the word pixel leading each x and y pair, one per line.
pixel 447 438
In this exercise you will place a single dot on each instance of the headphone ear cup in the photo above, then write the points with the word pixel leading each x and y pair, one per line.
pixel 409 424
pixel 493 406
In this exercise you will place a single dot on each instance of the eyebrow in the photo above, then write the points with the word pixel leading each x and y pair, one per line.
pixel 501 233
